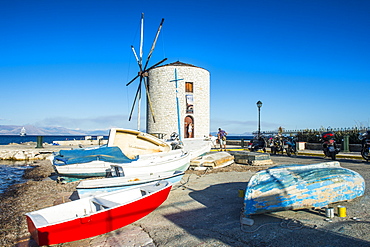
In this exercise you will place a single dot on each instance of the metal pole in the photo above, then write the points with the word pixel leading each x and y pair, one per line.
pixel 178 105
pixel 259 105
pixel 259 122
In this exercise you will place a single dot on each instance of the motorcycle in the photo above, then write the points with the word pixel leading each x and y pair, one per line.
pixel 257 144
pixel 290 146
pixel 329 145
pixel 277 145
pixel 365 149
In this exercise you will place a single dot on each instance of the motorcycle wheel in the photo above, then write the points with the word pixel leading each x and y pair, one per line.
pixel 289 152
pixel 365 155
pixel 332 155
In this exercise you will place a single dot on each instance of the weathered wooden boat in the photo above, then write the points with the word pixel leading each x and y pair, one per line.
pixel 133 143
pixel 96 215
pixel 174 160
pixel 212 161
pixel 291 187
pixel 97 186
pixel 124 147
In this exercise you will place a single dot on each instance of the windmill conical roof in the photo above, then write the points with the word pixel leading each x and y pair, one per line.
pixel 178 63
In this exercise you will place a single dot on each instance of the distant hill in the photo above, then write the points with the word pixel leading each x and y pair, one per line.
pixel 33 130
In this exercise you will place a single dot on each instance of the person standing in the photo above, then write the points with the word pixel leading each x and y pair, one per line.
pixel 221 135
pixel 190 130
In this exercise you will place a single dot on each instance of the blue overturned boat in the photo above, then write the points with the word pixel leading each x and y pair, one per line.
pixel 291 187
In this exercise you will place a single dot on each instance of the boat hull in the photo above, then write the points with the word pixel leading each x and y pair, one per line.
pixel 89 225
pixel 84 170
pixel 175 160
pixel 301 186
pixel 134 143
pixel 104 185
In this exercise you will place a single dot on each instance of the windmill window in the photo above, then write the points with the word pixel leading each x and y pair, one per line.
pixel 188 87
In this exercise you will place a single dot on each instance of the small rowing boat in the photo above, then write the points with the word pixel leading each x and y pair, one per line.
pixel 95 215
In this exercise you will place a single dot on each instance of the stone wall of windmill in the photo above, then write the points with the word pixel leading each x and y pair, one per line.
pixel 193 96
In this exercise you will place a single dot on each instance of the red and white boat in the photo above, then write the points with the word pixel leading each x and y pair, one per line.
pixel 95 215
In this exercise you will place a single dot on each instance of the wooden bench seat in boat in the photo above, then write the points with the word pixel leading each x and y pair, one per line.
pixel 104 202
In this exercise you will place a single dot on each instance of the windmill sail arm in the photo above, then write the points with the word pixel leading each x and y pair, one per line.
pixel 149 100
pixel 155 65
pixel 154 43
pixel 138 92
pixel 132 80
pixel 136 57
pixel 139 61
pixel 141 38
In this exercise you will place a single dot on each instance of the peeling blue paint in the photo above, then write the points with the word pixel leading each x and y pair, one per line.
pixel 301 186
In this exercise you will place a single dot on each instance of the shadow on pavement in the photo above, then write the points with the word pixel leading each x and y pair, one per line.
pixel 219 221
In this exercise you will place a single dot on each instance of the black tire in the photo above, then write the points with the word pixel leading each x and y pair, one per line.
pixel 332 155
pixel 365 155
pixel 289 151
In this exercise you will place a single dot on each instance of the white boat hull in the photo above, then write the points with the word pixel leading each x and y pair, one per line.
pixel 97 186
pixel 175 160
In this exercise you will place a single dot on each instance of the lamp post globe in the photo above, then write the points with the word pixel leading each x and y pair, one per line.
pixel 259 105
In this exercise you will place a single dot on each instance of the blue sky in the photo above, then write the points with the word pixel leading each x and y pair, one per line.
pixel 66 63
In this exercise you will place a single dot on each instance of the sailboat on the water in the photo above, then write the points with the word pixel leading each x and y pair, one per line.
pixel 23 132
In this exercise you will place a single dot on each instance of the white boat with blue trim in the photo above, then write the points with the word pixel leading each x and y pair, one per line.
pixel 128 148
pixel 97 186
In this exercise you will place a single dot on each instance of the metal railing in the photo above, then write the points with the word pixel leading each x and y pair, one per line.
pixel 293 132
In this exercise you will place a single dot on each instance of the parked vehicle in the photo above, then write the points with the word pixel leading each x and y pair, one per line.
pixel 329 145
pixel 290 146
pixel 257 144
pixel 277 145
pixel 365 142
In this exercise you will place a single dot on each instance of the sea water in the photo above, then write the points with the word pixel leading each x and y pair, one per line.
pixel 11 173
pixel 6 139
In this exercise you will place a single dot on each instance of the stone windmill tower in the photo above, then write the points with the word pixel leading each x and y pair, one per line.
pixel 188 114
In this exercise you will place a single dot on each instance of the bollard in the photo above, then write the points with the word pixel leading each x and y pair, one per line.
pixel 39 142
pixel 345 143
pixel 242 143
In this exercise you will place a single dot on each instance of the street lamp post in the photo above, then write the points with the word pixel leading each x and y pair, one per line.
pixel 259 105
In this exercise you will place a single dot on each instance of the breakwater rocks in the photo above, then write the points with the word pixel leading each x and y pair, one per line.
pixel 30 150
pixel 23 155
